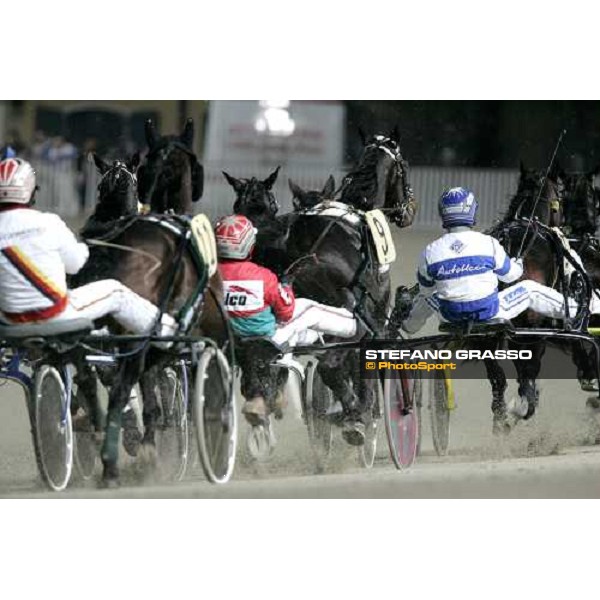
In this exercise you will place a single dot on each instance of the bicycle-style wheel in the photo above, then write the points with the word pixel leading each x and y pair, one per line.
pixel 214 415
pixel 85 448
pixel 368 451
pixel 260 442
pixel 401 395
pixel 440 396
pixel 172 439
pixel 51 428
pixel 318 401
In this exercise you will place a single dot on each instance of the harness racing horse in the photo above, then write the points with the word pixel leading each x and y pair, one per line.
pixel 582 204
pixel 147 254
pixel 343 270
pixel 331 260
pixel 526 230
pixel 171 178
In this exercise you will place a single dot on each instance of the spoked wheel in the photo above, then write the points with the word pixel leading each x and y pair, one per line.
pixel 214 415
pixel 401 395
pixel 172 441
pixel 260 441
pixel 85 448
pixel 367 452
pixel 51 428
pixel 440 404
pixel 318 401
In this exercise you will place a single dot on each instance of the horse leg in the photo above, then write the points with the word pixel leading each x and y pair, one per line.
pixel 129 372
pixel 335 369
pixel 527 373
pixel 586 372
pixel 497 379
pixel 86 407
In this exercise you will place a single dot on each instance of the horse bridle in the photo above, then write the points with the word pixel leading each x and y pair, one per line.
pixel 243 198
pixel 399 169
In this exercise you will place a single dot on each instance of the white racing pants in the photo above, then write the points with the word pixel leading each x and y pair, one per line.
pixel 311 319
pixel 513 300
pixel 109 297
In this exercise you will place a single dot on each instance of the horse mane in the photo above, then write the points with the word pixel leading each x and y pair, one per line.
pixel 362 179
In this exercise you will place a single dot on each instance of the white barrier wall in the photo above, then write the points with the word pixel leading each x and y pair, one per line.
pixel 63 188
pixel 492 187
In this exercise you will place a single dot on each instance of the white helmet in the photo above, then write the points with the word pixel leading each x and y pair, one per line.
pixel 17 181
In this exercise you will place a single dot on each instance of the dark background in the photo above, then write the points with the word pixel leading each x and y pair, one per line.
pixel 476 133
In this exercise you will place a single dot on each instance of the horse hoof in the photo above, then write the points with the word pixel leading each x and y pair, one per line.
pixel 518 407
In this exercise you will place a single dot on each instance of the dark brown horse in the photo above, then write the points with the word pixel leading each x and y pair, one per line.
pixel 148 255
pixel 525 231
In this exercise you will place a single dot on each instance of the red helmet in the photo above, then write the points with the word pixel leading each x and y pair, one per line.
pixel 17 181
pixel 235 236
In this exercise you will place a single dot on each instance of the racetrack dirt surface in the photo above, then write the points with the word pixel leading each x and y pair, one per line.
pixel 548 457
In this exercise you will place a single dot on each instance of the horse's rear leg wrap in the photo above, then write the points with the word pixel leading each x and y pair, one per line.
pixel 129 374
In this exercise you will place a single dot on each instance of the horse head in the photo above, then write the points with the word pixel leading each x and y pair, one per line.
pixel 255 198
pixel 380 179
pixel 171 177
pixel 117 190
pixel 303 200
pixel 539 195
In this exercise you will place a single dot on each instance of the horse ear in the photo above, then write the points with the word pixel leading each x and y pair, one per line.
pixel 329 188
pixel 363 137
pixel 134 162
pixel 296 190
pixel 271 179
pixel 236 184
pixel 187 137
pixel 395 134
pixel 151 135
pixel 100 164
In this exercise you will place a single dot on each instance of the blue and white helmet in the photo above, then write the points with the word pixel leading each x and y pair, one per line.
pixel 458 206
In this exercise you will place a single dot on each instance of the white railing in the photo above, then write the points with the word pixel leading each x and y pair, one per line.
pixel 66 191
pixel 492 187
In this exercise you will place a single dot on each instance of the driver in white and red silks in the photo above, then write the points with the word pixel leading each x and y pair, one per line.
pixel 38 250
pixel 259 305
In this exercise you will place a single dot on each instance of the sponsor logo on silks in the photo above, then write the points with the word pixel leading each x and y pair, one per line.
pixel 460 269
pixel 243 295
pixel 457 246
pixel 518 291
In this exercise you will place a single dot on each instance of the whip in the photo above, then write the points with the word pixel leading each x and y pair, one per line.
pixel 562 134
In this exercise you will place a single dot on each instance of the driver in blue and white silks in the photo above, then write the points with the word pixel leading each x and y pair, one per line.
pixel 458 274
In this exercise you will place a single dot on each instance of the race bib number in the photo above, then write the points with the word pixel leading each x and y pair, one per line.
pixel 382 237
pixel 244 296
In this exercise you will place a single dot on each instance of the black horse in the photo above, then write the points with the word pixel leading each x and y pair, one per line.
pixel 331 260
pixel 303 200
pixel 171 178
pixel 525 231
pixel 582 209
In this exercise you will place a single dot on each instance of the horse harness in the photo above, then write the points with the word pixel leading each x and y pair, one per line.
pixel 183 228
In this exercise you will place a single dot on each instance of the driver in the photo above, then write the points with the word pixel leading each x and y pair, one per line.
pixel 38 250
pixel 458 275
pixel 258 304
